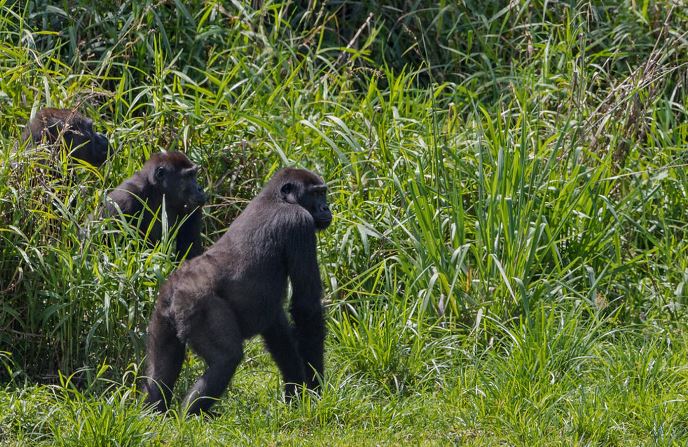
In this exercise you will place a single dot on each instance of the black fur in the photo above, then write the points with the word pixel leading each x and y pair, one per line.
pixel 73 128
pixel 170 176
pixel 236 290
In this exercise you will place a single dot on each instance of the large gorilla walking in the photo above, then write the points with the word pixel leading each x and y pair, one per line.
pixel 236 289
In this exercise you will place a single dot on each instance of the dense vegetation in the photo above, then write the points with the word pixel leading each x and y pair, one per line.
pixel 509 257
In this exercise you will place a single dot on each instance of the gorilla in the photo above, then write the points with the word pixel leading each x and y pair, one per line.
pixel 168 177
pixel 74 129
pixel 236 290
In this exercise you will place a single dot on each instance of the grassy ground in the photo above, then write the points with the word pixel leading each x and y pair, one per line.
pixel 509 259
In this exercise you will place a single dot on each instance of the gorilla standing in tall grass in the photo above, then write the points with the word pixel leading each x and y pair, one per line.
pixel 168 177
pixel 236 290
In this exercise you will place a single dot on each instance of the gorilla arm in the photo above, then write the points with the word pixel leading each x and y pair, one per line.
pixel 189 241
pixel 306 308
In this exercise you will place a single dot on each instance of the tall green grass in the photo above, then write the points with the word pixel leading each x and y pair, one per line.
pixel 508 260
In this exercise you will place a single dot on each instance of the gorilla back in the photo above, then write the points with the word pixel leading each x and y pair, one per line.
pixel 236 289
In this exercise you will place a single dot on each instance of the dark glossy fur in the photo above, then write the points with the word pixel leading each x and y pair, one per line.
pixel 75 130
pixel 168 175
pixel 236 290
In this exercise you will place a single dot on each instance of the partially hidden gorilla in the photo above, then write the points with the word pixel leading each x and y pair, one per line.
pixel 168 177
pixel 69 126
pixel 236 290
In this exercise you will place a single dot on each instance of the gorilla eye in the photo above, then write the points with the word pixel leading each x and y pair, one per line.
pixel 159 172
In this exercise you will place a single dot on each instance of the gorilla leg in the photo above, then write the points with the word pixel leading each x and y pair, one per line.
pixel 281 345
pixel 165 355
pixel 309 329
pixel 218 341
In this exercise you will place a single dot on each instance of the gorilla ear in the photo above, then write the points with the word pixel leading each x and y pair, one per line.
pixel 159 173
pixel 288 193
pixel 192 171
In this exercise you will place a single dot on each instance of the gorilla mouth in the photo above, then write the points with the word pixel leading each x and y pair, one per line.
pixel 322 224
pixel 191 205
pixel 195 202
